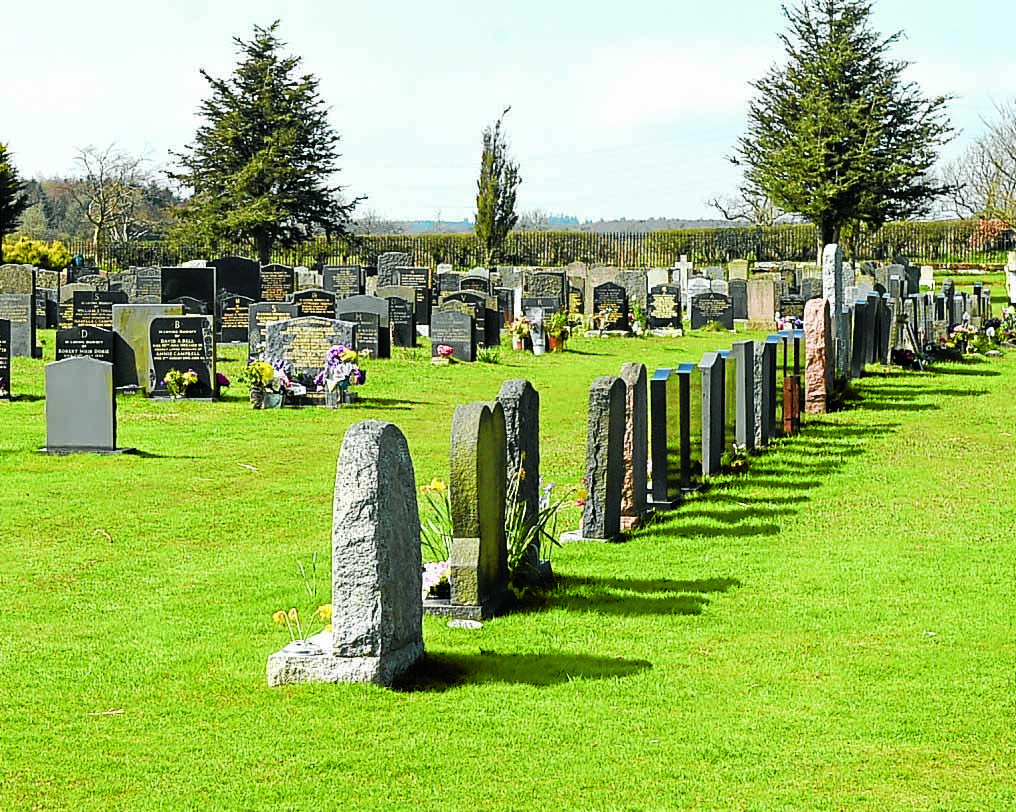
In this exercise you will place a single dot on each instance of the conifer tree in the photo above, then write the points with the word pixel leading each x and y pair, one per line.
pixel 495 193
pixel 13 198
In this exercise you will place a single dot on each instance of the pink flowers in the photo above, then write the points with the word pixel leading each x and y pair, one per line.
pixel 445 351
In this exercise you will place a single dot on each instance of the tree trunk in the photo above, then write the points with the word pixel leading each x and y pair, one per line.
pixel 263 246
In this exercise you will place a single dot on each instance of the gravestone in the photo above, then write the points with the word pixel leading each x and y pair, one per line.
pixel 260 315
pixel 487 317
pixel 377 617
pixel 95 308
pixel 738 292
pixel 859 328
pixel 315 302
pixel 665 433
pixel 132 355
pixel 743 353
pixel 927 277
pixel 610 304
pixel 506 304
pixel 195 283
pixel 656 277
pixel 550 287
pixel 811 288
pixel 476 282
pixel 302 343
pixel 832 290
pixel 278 283
pixel 710 307
pixel 19 310
pixel 711 369
pixel 634 485
pixel 419 280
pixel 873 327
pixel 85 342
pixel 388 265
pixel 664 307
pixel 820 359
pixel 5 359
pixel 143 285
pixel 80 407
pixel 95 280
pixel 601 514
pixel 403 319
pixel 761 303
pixel 343 280
pixel 635 286
pixel 372 316
pixel 720 286
pixel 477 489
pixel 690 387
pixel 697 285
pixel 183 343
pixel 713 273
pixel 453 325
pixel 237 276
pixel 521 405
pixel 791 306
pixel 234 318
pixel 17 279
pixel 730 370
pixel 766 389
pixel 66 302
pixel 737 269
pixel 47 309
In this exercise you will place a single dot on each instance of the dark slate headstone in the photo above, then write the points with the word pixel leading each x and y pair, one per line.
pixel 451 326
pixel 237 276
pixel 47 309
pixel 85 342
pixel 486 314
pixel 403 320
pixel 547 285
pixel 738 292
pixel 260 315
pixel 610 303
pixel 713 411
pixel 388 265
pixel 19 310
pixel 95 308
pixel 278 282
pixel 315 302
pixel 445 283
pixel 521 404
pixel 791 307
pixel 234 318
pixel 5 359
pixel 196 283
pixel 191 306
pixel 765 416
pixel 743 353
pixel 664 307
pixel 857 349
pixel 576 300
pixel 601 514
pixel 665 431
pixel 505 305
pixel 710 307
pixel 302 343
pixel 811 288
pixel 183 343
pixel 690 420
pixel 80 406
pixel 343 280
pixel 372 316
pixel 419 280
pixel 475 282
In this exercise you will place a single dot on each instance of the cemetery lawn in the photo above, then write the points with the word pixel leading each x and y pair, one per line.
pixel 832 630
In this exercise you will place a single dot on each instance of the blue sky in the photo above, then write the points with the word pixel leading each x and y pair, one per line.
pixel 620 110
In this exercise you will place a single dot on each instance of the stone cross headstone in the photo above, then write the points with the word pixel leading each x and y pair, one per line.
pixel 80 407
pixel 634 485
pixel 377 615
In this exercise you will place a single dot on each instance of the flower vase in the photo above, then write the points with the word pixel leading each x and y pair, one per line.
pixel 517 343
pixel 273 400
pixel 332 397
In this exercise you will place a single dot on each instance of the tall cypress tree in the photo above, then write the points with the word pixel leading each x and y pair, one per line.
pixel 261 163
pixel 13 198
pixel 836 135
pixel 495 193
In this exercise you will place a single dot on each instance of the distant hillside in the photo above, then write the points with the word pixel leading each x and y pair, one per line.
pixel 552 223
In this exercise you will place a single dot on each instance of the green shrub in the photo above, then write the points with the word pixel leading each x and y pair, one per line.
pixel 51 256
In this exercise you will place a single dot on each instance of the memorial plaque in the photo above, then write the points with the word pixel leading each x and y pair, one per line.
pixel 664 307
pixel 450 325
pixel 237 276
pixel 710 307
pixel 85 342
pixel 343 280
pixel 610 304
pixel 5 359
pixel 302 343
pixel 234 318
pixel 277 283
pixel 260 315
pixel 183 343
pixel 19 310
pixel 315 302
pixel 196 283
pixel 403 321
pixel 95 308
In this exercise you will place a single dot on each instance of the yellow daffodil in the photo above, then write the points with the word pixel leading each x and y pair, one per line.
pixel 280 618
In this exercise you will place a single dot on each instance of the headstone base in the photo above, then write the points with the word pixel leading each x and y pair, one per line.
pixel 635 522
pixel 64 450
pixel 576 535
pixel 670 503
pixel 443 607
pixel 289 669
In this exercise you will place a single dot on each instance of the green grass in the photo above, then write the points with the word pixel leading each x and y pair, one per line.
pixel 832 630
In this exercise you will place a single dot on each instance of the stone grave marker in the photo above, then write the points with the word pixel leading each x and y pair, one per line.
pixel 665 434
pixel 657 276
pixel 195 283
pixel 720 286
pixel 738 292
pixel 95 308
pixel 927 278
pixel 811 288
pixel 634 485
pixel 183 343
pixel 453 325
pixel 388 265
pixel 601 514
pixel 85 342
pixel 301 343
pixel 737 269
pixel 761 304
pixel 403 318
pixel 444 284
pixel 315 302
pixel 710 307
pixel 98 281
pixel 260 315
pixel 278 283
pixel 766 389
pixel 664 307
pixel 143 285
pixel 66 302
pixel 342 280
pixel 550 287
pixel 832 289
pixel 5 359
pixel 234 318
pixel 377 617
pixel 80 407
pixel 713 273
pixel 419 280
pixel 711 369
pixel 477 491
pixel 19 310
pixel 237 276
pixel 132 355
pixel 697 285
pixel 791 306
pixel 372 316
pixel 743 353
pixel 477 282
pixel 17 279
pixel 610 304
pixel 859 328
pixel 506 305
pixel 485 313
pixel 521 405
pixel 635 286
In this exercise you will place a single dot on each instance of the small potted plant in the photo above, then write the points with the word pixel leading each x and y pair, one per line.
pixel 259 375
pixel 557 331
pixel 521 332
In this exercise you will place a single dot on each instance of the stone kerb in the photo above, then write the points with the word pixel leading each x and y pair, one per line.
pixel 818 371
pixel 377 617
pixel 478 566
pixel 634 483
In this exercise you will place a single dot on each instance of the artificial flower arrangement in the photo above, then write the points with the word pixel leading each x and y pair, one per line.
pixel 341 370
pixel 178 383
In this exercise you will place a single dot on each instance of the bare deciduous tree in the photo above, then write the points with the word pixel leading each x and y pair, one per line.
pixel 984 177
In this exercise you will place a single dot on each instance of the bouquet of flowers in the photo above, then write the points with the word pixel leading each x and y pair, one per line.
pixel 341 370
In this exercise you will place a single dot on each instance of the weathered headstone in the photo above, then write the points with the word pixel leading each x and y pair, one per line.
pixel 601 514
pixel 388 265
pixel 80 407
pixel 737 269
pixel 377 617
pixel 419 280
pixel 761 303
pixel 636 444
pixel 302 343
pixel 635 287
pixel 547 285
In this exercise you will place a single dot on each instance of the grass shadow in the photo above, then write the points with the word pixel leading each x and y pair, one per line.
pixel 440 672
pixel 660 596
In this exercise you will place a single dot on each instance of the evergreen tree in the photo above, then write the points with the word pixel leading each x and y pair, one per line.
pixel 261 163
pixel 13 199
pixel 836 135
pixel 495 193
